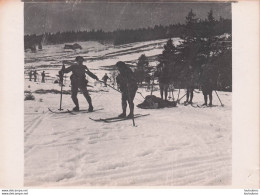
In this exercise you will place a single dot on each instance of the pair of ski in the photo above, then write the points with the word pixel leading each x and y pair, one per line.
pixel 117 119
pixel 72 112
pixel 199 106
pixel 106 120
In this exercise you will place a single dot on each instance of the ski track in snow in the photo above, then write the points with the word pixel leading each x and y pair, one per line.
pixel 178 146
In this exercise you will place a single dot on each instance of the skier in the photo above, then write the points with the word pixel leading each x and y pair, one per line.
pixel 189 85
pixel 105 77
pixel 78 80
pixel 206 80
pixel 43 77
pixel 30 75
pixel 163 76
pixel 128 86
pixel 35 75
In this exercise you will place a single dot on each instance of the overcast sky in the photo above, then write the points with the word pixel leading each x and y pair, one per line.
pixel 54 17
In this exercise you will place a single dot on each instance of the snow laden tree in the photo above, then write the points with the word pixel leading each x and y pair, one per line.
pixel 188 57
pixel 219 55
pixel 191 30
pixel 168 60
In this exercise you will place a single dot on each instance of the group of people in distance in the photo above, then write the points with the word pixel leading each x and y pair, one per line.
pixel 205 83
pixel 34 74
pixel 127 84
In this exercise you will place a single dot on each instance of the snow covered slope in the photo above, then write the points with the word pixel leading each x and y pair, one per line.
pixel 171 147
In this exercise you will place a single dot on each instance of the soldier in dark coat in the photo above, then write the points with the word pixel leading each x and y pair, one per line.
pixel 190 84
pixel 30 75
pixel 163 77
pixel 128 86
pixel 43 77
pixel 207 83
pixel 35 75
pixel 78 81
pixel 105 78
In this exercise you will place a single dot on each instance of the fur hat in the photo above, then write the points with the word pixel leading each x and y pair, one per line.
pixel 79 58
pixel 121 65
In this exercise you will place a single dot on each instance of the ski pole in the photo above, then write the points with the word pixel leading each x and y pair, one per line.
pixel 140 94
pixel 111 87
pixel 179 94
pixel 152 86
pixel 219 98
pixel 172 94
pixel 61 79
pixel 181 97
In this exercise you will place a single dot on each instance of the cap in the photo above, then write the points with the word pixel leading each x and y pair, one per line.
pixel 79 58
pixel 121 64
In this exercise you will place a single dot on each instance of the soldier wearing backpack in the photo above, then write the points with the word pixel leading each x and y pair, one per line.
pixel 128 86
pixel 78 80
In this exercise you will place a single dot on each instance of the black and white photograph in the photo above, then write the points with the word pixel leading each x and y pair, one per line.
pixel 127 94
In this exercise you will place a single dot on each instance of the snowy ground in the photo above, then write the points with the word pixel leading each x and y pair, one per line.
pixel 171 147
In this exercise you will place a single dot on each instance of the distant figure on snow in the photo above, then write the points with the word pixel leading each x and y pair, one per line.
pixel 30 75
pixel 128 86
pixel 35 75
pixel 105 78
pixel 43 77
pixel 78 81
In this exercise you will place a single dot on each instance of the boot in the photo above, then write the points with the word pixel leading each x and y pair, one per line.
pixel 90 108
pixel 76 109
pixel 123 115
pixel 130 115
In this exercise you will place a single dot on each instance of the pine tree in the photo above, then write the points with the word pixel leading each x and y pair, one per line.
pixel 210 23
pixel 191 18
pixel 191 21
pixel 169 59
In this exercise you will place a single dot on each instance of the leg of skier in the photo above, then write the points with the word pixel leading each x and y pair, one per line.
pixel 191 96
pixel 88 98
pixel 131 103
pixel 124 105
pixel 210 98
pixel 74 92
pixel 205 97
pixel 187 96
pixel 166 91
pixel 131 107
pixel 161 90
